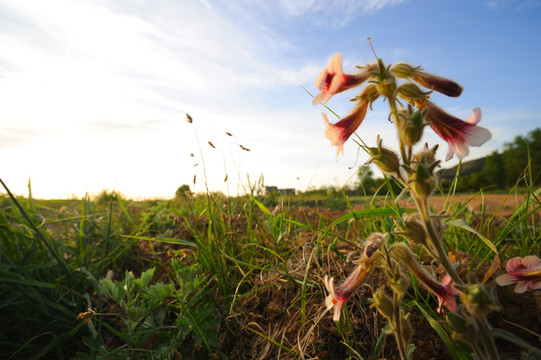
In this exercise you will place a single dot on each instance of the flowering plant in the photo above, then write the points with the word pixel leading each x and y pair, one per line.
pixel 407 90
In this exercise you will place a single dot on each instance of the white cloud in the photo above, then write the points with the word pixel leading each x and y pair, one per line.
pixel 337 13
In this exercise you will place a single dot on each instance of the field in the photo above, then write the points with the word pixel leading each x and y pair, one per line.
pixel 205 276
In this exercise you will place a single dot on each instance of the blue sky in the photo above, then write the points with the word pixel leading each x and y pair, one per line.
pixel 93 94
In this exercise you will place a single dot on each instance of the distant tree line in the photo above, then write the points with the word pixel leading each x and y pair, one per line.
pixel 501 170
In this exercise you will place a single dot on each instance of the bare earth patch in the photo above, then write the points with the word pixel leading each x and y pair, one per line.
pixel 502 204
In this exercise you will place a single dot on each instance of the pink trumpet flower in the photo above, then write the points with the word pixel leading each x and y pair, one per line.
pixel 339 132
pixel 332 80
pixel 337 297
pixel 525 272
pixel 444 291
pixel 459 134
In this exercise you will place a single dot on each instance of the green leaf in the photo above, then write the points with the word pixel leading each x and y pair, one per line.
pixel 146 276
pixel 376 350
pixel 410 350
pixel 164 240
pixel 368 213
pixel 13 278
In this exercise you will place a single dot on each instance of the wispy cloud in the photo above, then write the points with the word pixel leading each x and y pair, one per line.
pixel 516 5
pixel 334 14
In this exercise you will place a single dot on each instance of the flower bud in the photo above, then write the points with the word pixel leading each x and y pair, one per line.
pixel 411 92
pixel 456 322
pixel 399 284
pixel 385 81
pixel 385 159
pixel 403 70
pixel 426 156
pixel 387 86
pixel 370 94
pixel 478 300
pixel 406 330
pixel 383 303
pixel 422 181
pixel 410 129
pixel 412 229
pixel 401 253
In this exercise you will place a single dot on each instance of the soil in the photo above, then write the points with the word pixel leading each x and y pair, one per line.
pixel 503 205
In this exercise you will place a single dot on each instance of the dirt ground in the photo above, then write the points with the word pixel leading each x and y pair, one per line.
pixel 502 204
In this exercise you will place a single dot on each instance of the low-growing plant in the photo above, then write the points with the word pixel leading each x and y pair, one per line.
pixel 154 320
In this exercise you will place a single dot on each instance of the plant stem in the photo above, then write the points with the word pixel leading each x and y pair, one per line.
pixel 487 337
pixel 394 111
pixel 398 327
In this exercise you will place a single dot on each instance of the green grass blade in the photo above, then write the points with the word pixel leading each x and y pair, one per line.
pixel 164 240
pixel 283 347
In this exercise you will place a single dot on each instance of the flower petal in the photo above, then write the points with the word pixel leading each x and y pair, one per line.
pixel 475 116
pixel 531 262
pixel 477 136
pixel 521 287
pixel 514 264
pixel 506 279
pixel 329 300
pixel 449 302
pixel 323 80
pixel 337 308
pixel 461 150
pixel 335 65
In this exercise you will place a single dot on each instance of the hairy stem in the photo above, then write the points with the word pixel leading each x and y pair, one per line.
pixel 487 337
pixel 398 327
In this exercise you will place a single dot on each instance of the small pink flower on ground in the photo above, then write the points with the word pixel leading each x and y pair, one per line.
pixel 459 134
pixel 332 80
pixel 525 272
pixel 337 297
pixel 341 131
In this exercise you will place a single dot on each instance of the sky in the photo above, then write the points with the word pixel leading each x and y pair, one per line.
pixel 94 93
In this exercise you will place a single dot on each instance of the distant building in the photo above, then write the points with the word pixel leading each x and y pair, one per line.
pixel 289 191
pixel 271 189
